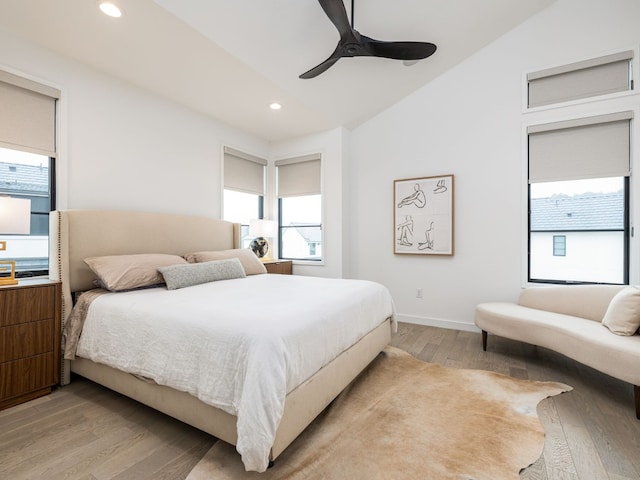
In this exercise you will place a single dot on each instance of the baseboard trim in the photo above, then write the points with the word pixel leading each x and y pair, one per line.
pixel 436 322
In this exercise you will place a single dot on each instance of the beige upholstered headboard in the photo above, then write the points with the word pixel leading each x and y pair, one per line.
pixel 78 234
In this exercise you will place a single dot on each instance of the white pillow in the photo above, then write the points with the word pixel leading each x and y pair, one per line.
pixel 623 315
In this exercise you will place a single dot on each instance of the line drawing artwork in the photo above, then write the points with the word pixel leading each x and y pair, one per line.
pixel 406 231
pixel 423 215
pixel 417 198
pixel 428 243
pixel 441 186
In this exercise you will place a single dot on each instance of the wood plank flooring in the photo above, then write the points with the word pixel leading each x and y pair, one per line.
pixel 84 431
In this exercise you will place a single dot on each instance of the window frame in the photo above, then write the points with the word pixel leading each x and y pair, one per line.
pixel 244 226
pixel 586 74
pixel 282 228
pixel 51 197
pixel 303 176
pixel 634 73
pixel 41 111
pixel 626 231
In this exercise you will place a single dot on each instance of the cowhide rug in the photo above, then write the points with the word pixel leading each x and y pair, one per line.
pixel 406 419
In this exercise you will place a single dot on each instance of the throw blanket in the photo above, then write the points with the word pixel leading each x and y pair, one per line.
pixel 240 345
pixel 75 322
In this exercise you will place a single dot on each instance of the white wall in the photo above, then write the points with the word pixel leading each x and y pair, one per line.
pixel 469 122
pixel 123 148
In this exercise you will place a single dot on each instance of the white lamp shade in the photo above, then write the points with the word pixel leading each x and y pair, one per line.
pixel 15 216
pixel 263 228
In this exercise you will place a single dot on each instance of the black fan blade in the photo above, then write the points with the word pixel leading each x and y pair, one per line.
pixel 323 67
pixel 398 50
pixel 353 44
pixel 338 15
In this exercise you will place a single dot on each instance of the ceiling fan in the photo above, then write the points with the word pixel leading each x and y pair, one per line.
pixel 353 44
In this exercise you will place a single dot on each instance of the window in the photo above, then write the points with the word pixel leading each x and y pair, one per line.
pixel 300 208
pixel 559 245
pixel 240 207
pixel 300 227
pixel 243 198
pixel 589 78
pixel 27 165
pixel 579 194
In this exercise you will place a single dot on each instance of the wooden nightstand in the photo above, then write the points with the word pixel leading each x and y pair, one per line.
pixel 29 340
pixel 283 267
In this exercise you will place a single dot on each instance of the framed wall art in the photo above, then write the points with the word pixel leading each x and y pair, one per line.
pixel 423 215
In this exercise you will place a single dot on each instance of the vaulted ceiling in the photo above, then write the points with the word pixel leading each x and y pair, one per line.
pixel 230 59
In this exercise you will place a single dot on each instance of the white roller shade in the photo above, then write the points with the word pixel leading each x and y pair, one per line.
pixel 299 176
pixel 594 147
pixel 590 78
pixel 27 115
pixel 243 172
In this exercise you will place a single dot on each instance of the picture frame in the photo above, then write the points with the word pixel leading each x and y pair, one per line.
pixel 423 215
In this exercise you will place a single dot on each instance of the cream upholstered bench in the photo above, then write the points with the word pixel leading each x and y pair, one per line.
pixel 596 325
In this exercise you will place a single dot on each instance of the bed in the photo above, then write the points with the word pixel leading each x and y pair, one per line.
pixel 80 234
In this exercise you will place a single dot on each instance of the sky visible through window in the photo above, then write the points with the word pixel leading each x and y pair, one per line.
pixel 22 158
pixel 306 209
pixel 240 207
pixel 577 187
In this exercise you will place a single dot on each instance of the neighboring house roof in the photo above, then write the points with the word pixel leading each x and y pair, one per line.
pixel 311 234
pixel 24 179
pixel 589 211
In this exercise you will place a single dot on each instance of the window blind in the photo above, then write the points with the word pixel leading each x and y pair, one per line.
pixel 243 172
pixel 589 78
pixel 27 115
pixel 299 176
pixel 594 147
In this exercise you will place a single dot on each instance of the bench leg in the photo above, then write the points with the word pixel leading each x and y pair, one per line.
pixel 484 341
pixel 636 396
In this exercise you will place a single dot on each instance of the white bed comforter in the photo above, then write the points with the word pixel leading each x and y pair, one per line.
pixel 240 345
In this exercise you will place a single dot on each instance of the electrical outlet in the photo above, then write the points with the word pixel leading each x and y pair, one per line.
pixel 419 293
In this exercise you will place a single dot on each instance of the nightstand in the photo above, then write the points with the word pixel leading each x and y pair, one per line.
pixel 283 267
pixel 29 340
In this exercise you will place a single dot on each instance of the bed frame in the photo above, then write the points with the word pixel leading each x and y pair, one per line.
pixel 77 234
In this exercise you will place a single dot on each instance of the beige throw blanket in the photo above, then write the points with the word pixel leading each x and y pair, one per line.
pixel 75 322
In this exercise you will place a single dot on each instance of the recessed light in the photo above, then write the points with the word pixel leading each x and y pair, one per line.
pixel 275 106
pixel 110 9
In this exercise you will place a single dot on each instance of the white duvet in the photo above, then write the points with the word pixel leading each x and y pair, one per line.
pixel 240 345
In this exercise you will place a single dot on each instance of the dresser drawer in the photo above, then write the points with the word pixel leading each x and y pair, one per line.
pixel 29 340
pixel 21 305
pixel 26 375
pixel 26 340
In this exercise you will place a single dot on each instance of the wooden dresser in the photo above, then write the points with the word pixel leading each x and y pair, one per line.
pixel 29 340
pixel 283 267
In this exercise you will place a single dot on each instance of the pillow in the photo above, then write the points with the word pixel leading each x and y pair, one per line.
pixel 251 264
pixel 189 274
pixel 127 272
pixel 623 314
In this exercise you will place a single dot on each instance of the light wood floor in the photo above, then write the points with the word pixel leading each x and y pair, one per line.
pixel 84 431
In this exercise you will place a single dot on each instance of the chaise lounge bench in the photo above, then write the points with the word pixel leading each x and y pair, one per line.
pixel 596 325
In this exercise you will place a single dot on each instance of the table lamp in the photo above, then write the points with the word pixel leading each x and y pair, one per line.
pixel 262 230
pixel 15 219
